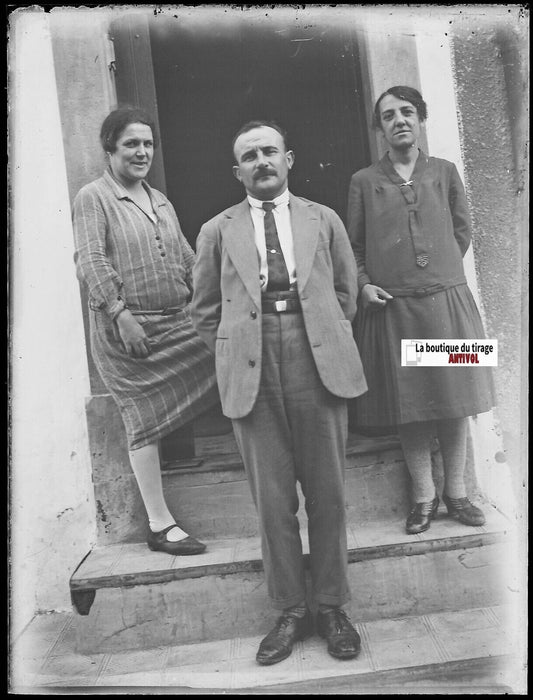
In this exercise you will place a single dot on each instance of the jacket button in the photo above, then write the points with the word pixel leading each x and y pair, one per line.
pixel 253 314
pixel 251 363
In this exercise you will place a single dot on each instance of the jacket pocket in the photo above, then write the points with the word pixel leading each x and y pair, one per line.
pixel 221 346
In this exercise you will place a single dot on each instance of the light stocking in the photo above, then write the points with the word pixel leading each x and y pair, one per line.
pixel 147 469
pixel 452 440
pixel 416 444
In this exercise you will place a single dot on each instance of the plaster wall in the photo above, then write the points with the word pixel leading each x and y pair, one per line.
pixel 491 81
pixel 84 64
pixel 51 503
pixel 491 72
pixel 83 61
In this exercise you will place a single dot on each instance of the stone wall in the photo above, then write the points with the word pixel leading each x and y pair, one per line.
pixel 491 91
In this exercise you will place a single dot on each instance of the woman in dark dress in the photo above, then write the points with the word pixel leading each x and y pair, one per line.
pixel 409 226
pixel 137 264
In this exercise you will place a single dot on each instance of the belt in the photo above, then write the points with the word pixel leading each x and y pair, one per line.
pixel 169 311
pixel 281 306
pixel 422 291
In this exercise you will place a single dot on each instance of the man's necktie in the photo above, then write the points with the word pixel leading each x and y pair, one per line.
pixel 278 276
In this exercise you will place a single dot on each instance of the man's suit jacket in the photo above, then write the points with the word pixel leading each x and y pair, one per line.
pixel 226 304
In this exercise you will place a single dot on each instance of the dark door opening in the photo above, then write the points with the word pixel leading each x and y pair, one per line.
pixel 210 79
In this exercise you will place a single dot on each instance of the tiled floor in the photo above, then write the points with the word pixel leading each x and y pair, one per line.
pixel 43 657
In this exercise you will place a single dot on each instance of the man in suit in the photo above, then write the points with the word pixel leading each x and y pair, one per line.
pixel 274 295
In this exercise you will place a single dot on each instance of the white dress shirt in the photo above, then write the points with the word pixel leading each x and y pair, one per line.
pixel 282 218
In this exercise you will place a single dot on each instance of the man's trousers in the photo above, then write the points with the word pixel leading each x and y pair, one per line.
pixel 296 431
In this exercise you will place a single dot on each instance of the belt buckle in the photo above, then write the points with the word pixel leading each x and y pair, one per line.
pixel 280 305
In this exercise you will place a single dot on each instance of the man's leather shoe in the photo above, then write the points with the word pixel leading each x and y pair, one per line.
pixel 464 511
pixel 158 542
pixel 278 643
pixel 335 627
pixel 419 519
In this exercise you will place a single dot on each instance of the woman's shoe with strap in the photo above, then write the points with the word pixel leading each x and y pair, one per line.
pixel 158 542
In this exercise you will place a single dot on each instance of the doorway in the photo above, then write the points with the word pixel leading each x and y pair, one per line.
pixel 213 77
pixel 209 78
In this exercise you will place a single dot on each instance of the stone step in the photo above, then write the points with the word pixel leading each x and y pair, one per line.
pixel 487 675
pixel 210 496
pixel 469 651
pixel 131 598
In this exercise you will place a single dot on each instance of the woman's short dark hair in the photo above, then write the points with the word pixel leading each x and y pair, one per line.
pixel 257 124
pixel 402 92
pixel 117 120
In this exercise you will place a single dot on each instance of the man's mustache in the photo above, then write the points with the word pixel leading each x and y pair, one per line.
pixel 262 173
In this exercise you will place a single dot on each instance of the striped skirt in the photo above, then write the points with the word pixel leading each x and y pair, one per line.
pixel 398 395
pixel 163 391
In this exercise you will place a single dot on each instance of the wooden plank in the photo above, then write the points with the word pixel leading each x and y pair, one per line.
pixel 229 567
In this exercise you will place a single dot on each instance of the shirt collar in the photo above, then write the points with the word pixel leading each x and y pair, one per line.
pixel 283 198
pixel 121 192
pixel 421 158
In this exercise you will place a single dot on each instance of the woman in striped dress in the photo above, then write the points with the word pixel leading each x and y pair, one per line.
pixel 136 262
pixel 409 225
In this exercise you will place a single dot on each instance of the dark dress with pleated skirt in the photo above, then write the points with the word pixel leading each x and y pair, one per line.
pixel 410 238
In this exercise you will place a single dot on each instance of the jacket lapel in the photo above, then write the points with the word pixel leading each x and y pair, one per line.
pixel 305 229
pixel 239 240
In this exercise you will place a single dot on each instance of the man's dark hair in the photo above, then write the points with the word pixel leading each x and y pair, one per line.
pixel 117 120
pixel 256 124
pixel 402 92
